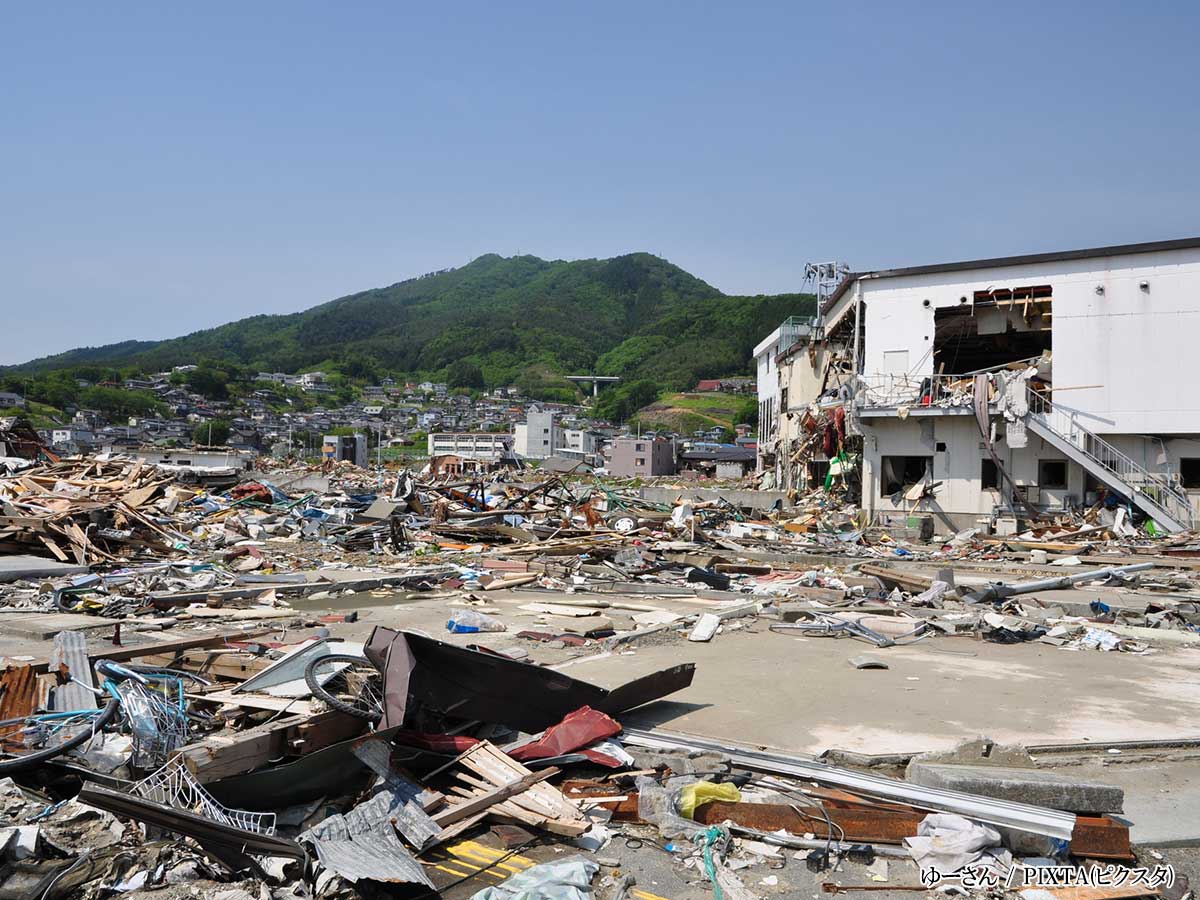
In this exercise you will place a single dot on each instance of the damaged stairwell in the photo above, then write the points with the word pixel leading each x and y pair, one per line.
pixel 1153 494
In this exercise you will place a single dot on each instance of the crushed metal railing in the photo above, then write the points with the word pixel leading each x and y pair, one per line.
pixel 879 391
pixel 173 785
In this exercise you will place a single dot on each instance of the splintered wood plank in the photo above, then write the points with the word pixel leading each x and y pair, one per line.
pixel 55 549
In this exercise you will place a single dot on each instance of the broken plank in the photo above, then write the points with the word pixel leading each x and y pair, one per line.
pixel 491 798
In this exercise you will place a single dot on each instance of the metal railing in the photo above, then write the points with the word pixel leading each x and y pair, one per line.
pixel 794 329
pixel 1157 488
pixel 893 391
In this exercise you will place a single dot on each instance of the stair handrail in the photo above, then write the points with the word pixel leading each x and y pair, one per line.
pixel 1169 497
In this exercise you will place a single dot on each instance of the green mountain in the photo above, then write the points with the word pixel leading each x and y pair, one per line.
pixel 637 316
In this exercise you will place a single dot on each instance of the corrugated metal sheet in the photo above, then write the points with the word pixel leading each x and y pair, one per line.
pixel 362 845
pixel 406 800
pixel 70 650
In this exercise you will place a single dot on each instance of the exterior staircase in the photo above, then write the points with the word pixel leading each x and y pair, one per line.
pixel 1153 494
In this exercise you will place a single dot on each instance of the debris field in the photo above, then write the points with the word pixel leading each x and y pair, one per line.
pixel 351 683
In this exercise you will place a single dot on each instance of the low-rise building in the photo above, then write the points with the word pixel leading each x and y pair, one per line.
pixel 1007 388
pixel 633 457
pixel 483 446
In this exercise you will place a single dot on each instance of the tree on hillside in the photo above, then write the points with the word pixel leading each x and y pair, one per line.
pixel 213 433
pixel 463 373
pixel 747 414
pixel 619 403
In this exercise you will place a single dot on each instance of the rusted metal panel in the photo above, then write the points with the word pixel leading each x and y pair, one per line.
pixel 493 688
pixel 1098 837
pixel 876 826
pixel 18 688
pixel 624 810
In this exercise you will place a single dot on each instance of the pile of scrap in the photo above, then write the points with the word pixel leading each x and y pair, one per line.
pixel 91 512
pixel 275 769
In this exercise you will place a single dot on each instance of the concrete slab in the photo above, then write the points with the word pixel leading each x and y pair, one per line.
pixel 18 567
pixel 1036 786
pixel 44 626
pixel 1162 797
pixel 798 693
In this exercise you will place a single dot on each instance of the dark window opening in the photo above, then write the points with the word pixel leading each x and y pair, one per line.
pixel 1052 474
pixel 1189 472
pixel 989 477
pixel 940 446
pixel 817 470
pixel 899 473
pixel 968 338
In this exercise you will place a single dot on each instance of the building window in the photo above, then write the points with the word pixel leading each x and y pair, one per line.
pixel 1052 474
pixel 640 461
pixel 989 478
pixel 899 473
pixel 639 448
pixel 1189 472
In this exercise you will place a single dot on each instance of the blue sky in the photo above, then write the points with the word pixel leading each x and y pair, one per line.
pixel 164 169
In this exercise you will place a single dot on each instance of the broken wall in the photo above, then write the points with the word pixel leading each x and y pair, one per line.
pixel 955 448
pixel 1135 343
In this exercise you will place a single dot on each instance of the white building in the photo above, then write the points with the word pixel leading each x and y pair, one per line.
pixel 474 445
pixel 581 440
pixel 1093 350
pixel 539 436
pixel 767 381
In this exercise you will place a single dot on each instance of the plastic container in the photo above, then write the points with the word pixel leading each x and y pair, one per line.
pixel 467 621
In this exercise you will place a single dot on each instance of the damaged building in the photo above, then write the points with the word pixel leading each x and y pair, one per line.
pixel 996 390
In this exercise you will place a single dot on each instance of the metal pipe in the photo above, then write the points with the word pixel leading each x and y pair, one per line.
pixel 998 590
pixel 1010 814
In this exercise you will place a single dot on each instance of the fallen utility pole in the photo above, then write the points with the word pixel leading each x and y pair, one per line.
pixel 998 590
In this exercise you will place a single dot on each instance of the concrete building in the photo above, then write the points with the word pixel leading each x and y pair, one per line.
pixel 582 441
pixel 473 445
pixel 998 388
pixel 767 382
pixel 540 435
pixel 348 447
pixel 631 457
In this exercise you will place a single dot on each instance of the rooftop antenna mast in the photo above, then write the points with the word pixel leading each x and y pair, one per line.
pixel 822 279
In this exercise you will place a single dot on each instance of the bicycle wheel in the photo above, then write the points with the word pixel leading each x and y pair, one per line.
pixel 18 755
pixel 347 683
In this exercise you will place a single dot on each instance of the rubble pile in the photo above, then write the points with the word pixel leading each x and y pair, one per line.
pixel 212 718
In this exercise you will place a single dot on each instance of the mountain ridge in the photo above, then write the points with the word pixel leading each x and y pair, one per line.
pixel 633 315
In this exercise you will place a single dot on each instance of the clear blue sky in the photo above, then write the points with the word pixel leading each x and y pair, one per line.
pixel 165 168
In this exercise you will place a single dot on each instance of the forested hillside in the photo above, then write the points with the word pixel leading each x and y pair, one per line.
pixel 496 320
